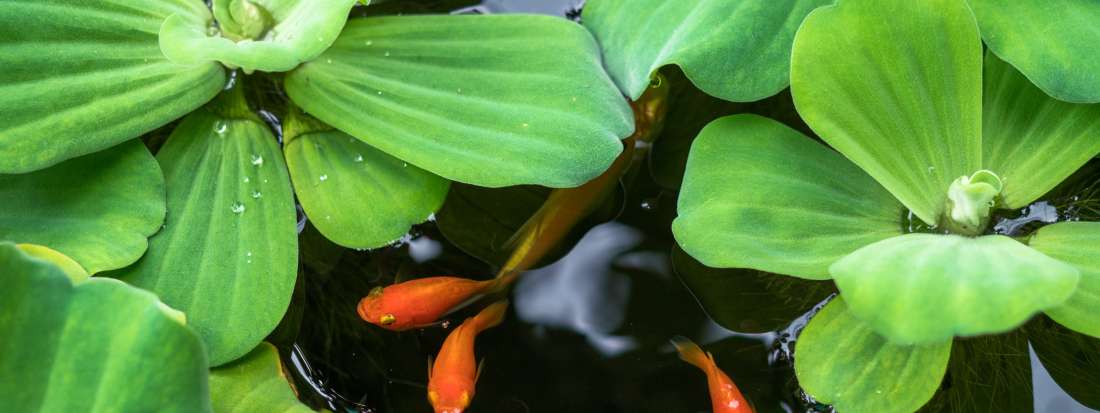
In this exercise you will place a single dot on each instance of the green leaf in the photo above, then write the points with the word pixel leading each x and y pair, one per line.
pixel 1073 360
pixel 356 195
pixel 1055 43
pixel 265 35
pixel 986 374
pixel 486 100
pixel 735 50
pixel 98 346
pixel 748 301
pixel 71 268
pixel 97 209
pixel 84 75
pixel 926 288
pixel 1076 243
pixel 840 360
pixel 895 85
pixel 254 383
pixel 790 206
pixel 1031 140
pixel 228 254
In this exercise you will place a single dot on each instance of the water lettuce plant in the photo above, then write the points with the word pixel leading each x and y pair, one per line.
pixel 383 112
pixel 929 136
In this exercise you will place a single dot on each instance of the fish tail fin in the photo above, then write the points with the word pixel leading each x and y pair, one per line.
pixel 490 316
pixel 691 353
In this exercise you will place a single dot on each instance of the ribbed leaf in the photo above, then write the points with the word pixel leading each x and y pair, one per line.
pixel 98 346
pixel 926 288
pixel 228 254
pixel 840 360
pixel 1032 141
pixel 1076 243
pixel 299 31
pixel 1055 43
pixel 895 85
pixel 356 195
pixel 84 75
pixel 254 383
pixel 735 50
pixel 760 195
pixel 98 209
pixel 487 100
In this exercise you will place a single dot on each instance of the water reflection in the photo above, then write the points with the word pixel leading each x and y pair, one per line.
pixel 581 292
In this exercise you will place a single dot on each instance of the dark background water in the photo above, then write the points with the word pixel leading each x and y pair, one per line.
pixel 588 331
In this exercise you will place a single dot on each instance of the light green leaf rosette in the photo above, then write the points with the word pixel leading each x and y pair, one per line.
pixel 264 35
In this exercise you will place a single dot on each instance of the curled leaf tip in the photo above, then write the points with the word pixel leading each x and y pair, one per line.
pixel 969 199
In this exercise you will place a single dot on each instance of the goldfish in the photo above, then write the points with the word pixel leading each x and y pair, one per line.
pixel 453 376
pixel 421 302
pixel 566 207
pixel 724 395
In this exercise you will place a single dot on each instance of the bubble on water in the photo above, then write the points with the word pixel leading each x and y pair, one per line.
pixel 237 208
pixel 220 127
pixel 357 158
pixel 323 177
pixel 257 160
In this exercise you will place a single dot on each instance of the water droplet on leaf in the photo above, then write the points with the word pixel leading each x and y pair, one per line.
pixel 257 160
pixel 237 208
pixel 323 177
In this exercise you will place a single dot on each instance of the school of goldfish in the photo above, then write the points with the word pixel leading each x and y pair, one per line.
pixel 422 302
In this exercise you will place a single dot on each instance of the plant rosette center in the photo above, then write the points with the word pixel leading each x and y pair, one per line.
pixel 969 201
pixel 243 20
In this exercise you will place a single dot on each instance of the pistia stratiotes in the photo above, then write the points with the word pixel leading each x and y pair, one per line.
pixel 398 106
pixel 918 121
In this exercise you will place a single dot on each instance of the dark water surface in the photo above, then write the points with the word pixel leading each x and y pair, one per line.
pixel 588 331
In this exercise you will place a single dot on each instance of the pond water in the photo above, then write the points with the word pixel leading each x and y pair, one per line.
pixel 589 329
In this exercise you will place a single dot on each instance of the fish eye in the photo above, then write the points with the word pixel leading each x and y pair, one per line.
pixel 387 319
pixel 375 292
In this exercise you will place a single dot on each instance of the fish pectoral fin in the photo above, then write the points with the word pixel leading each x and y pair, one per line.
pixel 431 361
pixel 480 366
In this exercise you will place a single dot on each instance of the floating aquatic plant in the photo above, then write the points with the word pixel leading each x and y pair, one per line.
pixel 413 102
pixel 920 122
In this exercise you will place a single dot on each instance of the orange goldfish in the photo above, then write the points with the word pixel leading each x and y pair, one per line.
pixel 566 207
pixel 724 396
pixel 451 379
pixel 420 302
